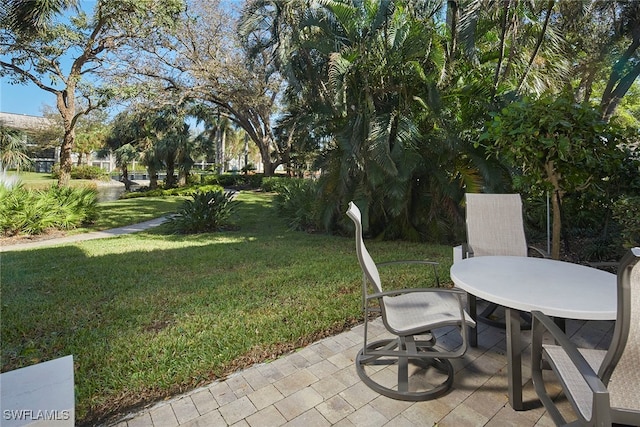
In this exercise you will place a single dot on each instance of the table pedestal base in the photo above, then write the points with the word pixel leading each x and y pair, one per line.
pixel 514 358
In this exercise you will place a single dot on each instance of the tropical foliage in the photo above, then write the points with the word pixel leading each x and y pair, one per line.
pixel 627 211
pixel 13 149
pixel 555 145
pixel 297 201
pixel 24 211
pixel 206 212
pixel 399 93
pixel 385 101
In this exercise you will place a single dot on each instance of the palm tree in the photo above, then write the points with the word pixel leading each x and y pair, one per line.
pixel 366 80
pixel 173 137
pixel 213 137
pixel 518 41
pixel 125 154
pixel 30 16
pixel 381 62
pixel 122 140
pixel 13 149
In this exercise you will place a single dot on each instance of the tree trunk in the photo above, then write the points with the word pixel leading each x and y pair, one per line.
pixel 65 158
pixel 620 83
pixel 220 149
pixel 65 103
pixel 556 200
pixel 269 167
pixel 265 155
pixel 125 177
pixel 183 177
pixel 153 177
pixel 170 180
pixel 557 226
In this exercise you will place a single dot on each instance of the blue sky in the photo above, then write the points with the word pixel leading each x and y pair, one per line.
pixel 24 99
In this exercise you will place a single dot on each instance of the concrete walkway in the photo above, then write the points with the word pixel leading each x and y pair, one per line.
pixel 85 236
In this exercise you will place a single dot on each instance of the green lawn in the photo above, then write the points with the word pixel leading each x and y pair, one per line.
pixel 44 180
pixel 131 211
pixel 111 214
pixel 150 315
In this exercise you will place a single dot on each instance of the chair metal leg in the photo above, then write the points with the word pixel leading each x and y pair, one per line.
pixel 403 367
pixel 424 357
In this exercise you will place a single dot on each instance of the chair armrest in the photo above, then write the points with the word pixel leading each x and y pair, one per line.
pixel 408 261
pixel 544 322
pixel 395 292
pixel 540 252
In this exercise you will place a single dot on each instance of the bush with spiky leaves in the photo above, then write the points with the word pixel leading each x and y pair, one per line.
pixel 24 211
pixel 297 202
pixel 206 212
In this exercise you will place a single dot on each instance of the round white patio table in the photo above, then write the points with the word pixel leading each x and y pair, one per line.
pixel 556 288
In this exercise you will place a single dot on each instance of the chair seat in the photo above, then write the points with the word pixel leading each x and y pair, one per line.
pixel 407 314
pixel 574 382
pixel 603 386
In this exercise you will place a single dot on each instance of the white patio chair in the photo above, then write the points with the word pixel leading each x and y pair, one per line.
pixel 410 315
pixel 603 386
pixel 494 227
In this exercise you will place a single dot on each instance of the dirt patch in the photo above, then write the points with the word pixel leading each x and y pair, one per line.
pixel 47 235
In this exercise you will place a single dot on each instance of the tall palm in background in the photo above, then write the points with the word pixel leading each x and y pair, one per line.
pixel 32 15
pixel 172 144
pixel 13 150
pixel 367 80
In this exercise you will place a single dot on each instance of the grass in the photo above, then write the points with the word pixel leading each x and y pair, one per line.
pixel 150 315
pixel 39 181
pixel 111 214
pixel 131 211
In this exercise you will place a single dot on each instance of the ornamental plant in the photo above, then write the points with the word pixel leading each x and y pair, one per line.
pixel 205 212
pixel 557 145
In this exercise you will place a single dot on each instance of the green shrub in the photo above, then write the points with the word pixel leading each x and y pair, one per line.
pixel 274 183
pixel 207 211
pixel 31 212
pixel 179 191
pixel 253 181
pixel 627 212
pixel 249 168
pixel 209 179
pixel 83 172
pixel 228 180
pixel 297 201
pixel 89 172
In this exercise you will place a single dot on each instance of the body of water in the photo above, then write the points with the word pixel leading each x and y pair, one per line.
pixel 113 190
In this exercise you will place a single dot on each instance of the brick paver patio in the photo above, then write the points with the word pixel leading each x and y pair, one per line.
pixel 318 386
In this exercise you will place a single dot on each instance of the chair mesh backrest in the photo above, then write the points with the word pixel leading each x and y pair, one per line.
pixel 624 384
pixel 494 224
pixel 366 262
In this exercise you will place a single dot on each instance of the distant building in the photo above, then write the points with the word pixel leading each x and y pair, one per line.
pixel 43 158
pixel 24 122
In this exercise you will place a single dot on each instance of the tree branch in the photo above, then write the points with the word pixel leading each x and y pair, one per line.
pixel 29 76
